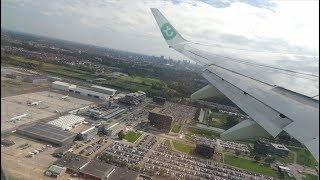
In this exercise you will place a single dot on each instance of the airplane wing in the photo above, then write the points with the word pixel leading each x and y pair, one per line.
pixel 276 98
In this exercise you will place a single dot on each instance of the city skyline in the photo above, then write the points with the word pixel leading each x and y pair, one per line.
pixel 264 25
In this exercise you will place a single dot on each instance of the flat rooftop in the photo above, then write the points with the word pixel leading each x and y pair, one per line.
pixel 97 168
pixel 46 131
pixel 279 146
pixel 72 161
pixel 123 174
pixel 103 88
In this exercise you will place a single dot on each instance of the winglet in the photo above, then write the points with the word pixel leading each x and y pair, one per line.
pixel 169 33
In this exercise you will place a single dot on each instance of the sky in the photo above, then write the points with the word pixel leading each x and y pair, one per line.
pixel 290 26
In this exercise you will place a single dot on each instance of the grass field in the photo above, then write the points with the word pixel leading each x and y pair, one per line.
pixel 202 132
pixel 167 143
pixel 304 157
pixel 65 71
pixel 176 128
pixel 249 165
pixel 127 83
pixel 182 147
pixel 309 177
pixel 132 136
pixel 220 120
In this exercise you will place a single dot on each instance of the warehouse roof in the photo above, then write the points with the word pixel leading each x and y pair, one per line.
pixel 61 83
pixel 103 88
pixel 48 131
pixel 279 146
pixel 67 121
pixel 123 174
pixel 97 168
pixel 72 161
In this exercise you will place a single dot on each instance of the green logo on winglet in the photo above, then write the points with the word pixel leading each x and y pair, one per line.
pixel 168 31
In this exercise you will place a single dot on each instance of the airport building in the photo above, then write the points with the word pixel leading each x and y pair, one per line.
pixel 72 162
pixel 89 93
pixel 81 91
pixel 96 170
pixel 35 79
pixel 55 171
pixel 48 133
pixel 133 98
pixel 264 147
pixel 67 122
pixel 62 85
pixel 160 121
pixel 205 150
pixel 104 90
pixel 279 149
pixel 88 134
pixel 159 100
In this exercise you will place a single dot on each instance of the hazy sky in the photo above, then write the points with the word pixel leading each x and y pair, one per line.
pixel 129 25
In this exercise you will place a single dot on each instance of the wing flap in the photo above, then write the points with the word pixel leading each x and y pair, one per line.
pixel 265 116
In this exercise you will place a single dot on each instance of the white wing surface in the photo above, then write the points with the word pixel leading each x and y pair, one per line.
pixel 280 92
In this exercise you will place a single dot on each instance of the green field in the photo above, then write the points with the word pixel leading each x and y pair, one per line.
pixel 202 132
pixel 310 176
pixel 182 147
pixel 220 120
pixel 176 128
pixel 249 165
pixel 167 143
pixel 60 70
pixel 152 86
pixel 304 157
pixel 132 136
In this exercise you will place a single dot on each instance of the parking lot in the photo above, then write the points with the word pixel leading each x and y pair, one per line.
pixel 182 166
pixel 180 113
pixel 49 104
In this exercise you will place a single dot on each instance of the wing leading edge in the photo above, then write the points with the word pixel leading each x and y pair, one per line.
pixel 276 104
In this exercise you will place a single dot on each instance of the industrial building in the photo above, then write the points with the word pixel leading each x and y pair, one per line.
pixel 96 170
pixel 35 79
pixel 114 129
pixel 113 113
pixel 279 149
pixel 72 162
pixel 159 100
pixel 123 174
pixel 160 121
pixel 264 147
pixel 62 86
pixel 105 114
pixel 67 122
pixel 88 134
pixel 89 93
pixel 204 150
pixel 48 133
pixel 78 90
pixel 104 90
pixel 133 98
pixel 55 171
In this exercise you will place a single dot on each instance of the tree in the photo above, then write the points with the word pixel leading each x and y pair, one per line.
pixel 121 135
pixel 270 159
pixel 257 158
pixel 231 121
